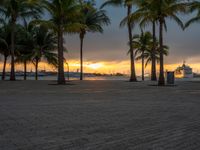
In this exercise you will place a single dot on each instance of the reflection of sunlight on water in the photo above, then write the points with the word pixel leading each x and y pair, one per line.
pixel 106 78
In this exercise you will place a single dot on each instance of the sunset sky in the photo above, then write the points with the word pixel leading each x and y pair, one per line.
pixel 107 52
pixel 111 47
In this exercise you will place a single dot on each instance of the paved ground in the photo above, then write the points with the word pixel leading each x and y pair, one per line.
pixel 99 115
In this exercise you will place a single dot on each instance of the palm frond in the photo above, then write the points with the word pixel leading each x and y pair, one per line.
pixel 191 21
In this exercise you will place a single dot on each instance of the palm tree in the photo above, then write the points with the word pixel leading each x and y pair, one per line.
pixel 147 15
pixel 194 6
pixel 5 45
pixel 25 46
pixel 128 4
pixel 45 43
pixel 91 20
pixel 63 13
pixel 167 9
pixel 13 10
pixel 142 44
pixel 161 10
pixel 5 52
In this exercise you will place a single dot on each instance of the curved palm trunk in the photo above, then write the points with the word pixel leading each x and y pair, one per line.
pixel 4 68
pixel 161 81
pixel 25 70
pixel 81 55
pixel 142 65
pixel 132 57
pixel 12 72
pixel 61 76
pixel 153 63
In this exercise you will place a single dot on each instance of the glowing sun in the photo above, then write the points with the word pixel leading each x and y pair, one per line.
pixel 95 66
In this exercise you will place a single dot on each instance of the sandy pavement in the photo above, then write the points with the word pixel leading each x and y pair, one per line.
pixel 99 115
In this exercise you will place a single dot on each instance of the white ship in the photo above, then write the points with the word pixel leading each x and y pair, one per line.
pixel 184 71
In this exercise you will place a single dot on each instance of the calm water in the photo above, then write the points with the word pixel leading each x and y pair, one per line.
pixel 125 78
pixel 76 78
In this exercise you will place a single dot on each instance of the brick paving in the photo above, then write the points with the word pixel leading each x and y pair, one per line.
pixel 99 115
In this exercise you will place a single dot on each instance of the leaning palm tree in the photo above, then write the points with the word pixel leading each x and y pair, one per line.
pixel 91 20
pixel 13 10
pixel 128 4
pixel 45 44
pixel 141 44
pixel 63 13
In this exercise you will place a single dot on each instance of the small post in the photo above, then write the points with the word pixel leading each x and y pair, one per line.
pixel 170 77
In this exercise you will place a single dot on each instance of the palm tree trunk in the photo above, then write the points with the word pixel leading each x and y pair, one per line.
pixel 4 68
pixel 25 70
pixel 161 81
pixel 142 65
pixel 132 57
pixel 153 63
pixel 12 72
pixel 61 76
pixel 81 56
pixel 36 69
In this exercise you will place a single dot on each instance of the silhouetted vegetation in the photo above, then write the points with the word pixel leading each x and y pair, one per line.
pixel 27 37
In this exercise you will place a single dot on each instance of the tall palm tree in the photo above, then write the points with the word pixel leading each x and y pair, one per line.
pixel 167 9
pixel 63 13
pixel 45 43
pixel 142 43
pixel 13 10
pixel 91 20
pixel 194 6
pixel 128 4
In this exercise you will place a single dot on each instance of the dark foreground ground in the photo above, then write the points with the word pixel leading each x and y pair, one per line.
pixel 99 115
